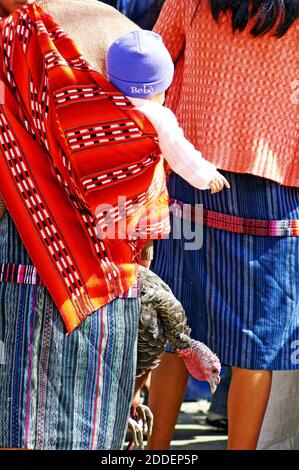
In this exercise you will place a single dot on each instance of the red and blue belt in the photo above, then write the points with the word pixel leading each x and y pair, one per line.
pixel 231 223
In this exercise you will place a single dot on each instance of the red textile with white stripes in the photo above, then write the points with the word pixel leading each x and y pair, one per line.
pixel 70 146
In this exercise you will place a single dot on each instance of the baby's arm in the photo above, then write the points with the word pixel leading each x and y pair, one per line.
pixel 189 163
pixel 180 154
pixel 184 159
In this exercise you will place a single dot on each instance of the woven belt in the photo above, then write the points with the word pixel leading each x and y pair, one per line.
pixel 27 274
pixel 19 273
pixel 231 223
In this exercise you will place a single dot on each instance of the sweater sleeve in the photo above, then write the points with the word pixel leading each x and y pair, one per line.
pixel 170 25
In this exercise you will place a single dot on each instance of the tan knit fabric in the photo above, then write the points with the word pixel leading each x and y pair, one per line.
pixel 235 96
pixel 92 24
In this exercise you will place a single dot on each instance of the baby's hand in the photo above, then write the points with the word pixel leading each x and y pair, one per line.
pixel 218 183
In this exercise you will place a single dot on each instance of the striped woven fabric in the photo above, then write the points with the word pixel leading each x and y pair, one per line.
pixel 231 223
pixel 240 291
pixel 70 146
pixel 27 274
pixel 19 273
pixel 63 392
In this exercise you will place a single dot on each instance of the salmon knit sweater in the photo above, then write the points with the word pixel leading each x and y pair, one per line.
pixel 235 96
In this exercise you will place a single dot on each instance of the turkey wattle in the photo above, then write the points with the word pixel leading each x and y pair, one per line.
pixel 163 320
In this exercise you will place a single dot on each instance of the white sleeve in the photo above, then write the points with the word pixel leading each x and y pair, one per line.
pixel 180 154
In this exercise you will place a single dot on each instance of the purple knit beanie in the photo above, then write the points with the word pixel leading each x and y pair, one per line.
pixel 139 65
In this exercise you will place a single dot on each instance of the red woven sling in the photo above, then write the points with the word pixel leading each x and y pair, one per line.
pixel 70 146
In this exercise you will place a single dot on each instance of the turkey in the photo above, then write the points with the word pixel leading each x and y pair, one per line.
pixel 162 320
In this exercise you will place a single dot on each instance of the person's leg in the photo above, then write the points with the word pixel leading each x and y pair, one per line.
pixel 166 394
pixel 140 382
pixel 247 401
pixel 217 415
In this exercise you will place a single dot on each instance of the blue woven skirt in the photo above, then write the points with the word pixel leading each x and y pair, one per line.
pixel 58 391
pixel 240 292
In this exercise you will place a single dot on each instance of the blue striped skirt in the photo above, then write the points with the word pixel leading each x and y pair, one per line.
pixel 58 391
pixel 240 292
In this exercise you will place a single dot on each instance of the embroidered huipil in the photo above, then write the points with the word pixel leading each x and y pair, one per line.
pixel 70 146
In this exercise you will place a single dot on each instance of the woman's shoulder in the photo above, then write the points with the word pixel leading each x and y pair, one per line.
pixel 91 24
pixel 87 11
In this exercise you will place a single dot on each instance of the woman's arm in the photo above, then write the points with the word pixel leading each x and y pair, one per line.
pixel 170 25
